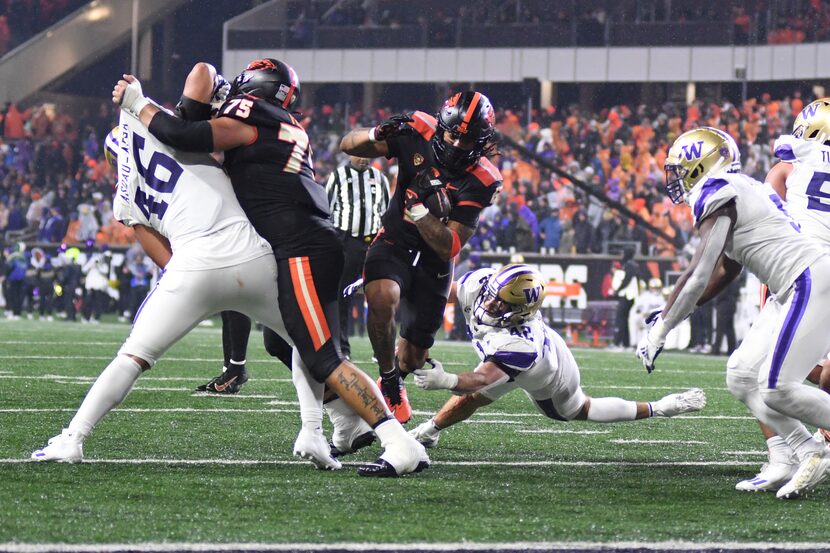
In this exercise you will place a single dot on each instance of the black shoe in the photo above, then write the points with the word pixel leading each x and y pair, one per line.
pixel 382 469
pixel 229 382
pixel 364 440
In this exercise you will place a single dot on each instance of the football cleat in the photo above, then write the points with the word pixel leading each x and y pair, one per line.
pixel 351 433
pixel 426 434
pixel 66 447
pixel 677 404
pixel 811 472
pixel 229 382
pixel 311 445
pixel 394 392
pixel 769 479
pixel 407 457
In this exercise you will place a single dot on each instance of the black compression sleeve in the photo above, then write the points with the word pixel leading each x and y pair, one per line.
pixel 192 110
pixel 188 136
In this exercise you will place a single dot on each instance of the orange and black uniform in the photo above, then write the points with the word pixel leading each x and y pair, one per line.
pixel 400 253
pixel 273 178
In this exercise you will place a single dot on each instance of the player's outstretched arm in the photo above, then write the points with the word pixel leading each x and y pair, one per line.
pixel 435 378
pixel 777 178
pixel 188 136
pixel 371 142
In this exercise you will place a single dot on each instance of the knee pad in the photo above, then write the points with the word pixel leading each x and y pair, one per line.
pixel 778 397
pixel 741 383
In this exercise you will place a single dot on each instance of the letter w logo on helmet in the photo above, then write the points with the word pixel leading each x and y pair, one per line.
pixel 810 110
pixel 693 151
pixel 532 294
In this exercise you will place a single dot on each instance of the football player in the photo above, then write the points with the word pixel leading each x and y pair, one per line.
pixel 736 218
pixel 186 217
pixel 518 350
pixel 409 265
pixel 796 180
pixel 268 158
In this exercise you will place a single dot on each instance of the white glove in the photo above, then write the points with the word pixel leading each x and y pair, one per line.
pixel 435 378
pixel 652 343
pixel 133 100
pixel 353 288
pixel 221 87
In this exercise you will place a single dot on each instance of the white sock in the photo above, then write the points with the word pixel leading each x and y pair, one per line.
pixel 611 409
pixel 390 431
pixel 238 362
pixel 309 393
pixel 432 430
pixel 108 391
pixel 779 451
pixel 803 443
pixel 338 409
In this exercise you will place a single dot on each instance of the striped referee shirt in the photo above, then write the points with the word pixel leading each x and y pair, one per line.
pixel 357 199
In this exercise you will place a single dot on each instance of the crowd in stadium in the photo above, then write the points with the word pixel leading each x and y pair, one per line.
pixel 53 184
pixel 21 19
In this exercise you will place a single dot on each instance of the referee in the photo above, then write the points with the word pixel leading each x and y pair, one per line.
pixel 358 195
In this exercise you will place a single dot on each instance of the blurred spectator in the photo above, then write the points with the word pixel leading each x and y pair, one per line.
pixel 550 230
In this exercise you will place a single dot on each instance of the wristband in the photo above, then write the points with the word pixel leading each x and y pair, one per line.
pixel 372 134
pixel 452 380
pixel 456 244
pixel 417 212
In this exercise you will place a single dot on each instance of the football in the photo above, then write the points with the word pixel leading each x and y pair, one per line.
pixel 438 203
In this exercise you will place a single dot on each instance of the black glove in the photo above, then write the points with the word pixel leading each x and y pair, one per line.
pixel 422 186
pixel 394 126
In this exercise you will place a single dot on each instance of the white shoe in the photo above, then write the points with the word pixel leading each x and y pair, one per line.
pixel 350 434
pixel 769 479
pixel 677 404
pixel 402 457
pixel 66 447
pixel 811 472
pixel 311 445
pixel 426 434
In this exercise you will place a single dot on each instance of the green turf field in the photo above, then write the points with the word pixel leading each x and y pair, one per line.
pixel 170 466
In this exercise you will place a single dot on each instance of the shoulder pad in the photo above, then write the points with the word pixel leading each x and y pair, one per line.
pixel 711 195
pixel 485 172
pixel 469 286
pixel 791 149
pixel 424 123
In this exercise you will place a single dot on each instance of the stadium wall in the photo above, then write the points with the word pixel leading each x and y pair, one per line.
pixel 616 64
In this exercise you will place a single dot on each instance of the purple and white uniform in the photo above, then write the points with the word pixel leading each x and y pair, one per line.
pixel 219 262
pixel 534 356
pixel 794 266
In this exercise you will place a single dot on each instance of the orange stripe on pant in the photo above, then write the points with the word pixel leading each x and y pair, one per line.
pixel 306 295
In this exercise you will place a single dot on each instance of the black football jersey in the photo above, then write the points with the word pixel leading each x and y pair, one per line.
pixel 273 175
pixel 469 193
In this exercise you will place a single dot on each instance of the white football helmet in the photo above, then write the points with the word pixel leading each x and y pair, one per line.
pixel 511 296
pixel 697 155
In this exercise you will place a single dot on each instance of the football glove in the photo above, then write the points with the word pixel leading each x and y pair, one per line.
pixel 395 125
pixel 221 87
pixel 435 378
pixel 133 100
pixel 353 288
pixel 422 186
pixel 652 343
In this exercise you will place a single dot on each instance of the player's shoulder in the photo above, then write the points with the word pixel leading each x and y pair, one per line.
pixel 790 149
pixel 484 174
pixel 470 284
pixel 255 111
pixel 512 348
pixel 716 192
pixel 424 124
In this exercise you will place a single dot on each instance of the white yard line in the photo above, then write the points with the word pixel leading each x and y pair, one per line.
pixel 554 431
pixel 485 463
pixel 164 547
pixel 655 442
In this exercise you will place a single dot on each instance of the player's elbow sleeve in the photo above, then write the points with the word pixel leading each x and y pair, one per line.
pixel 188 136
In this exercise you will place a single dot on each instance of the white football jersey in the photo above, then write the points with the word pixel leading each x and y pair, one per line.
pixel 529 353
pixel 186 197
pixel 808 185
pixel 764 239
